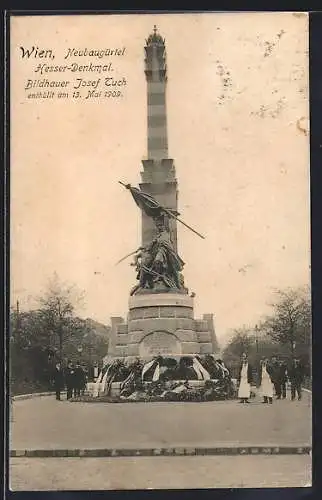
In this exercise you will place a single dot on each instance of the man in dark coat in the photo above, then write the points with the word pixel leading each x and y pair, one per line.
pixel 85 378
pixel 79 380
pixel 296 377
pixel 69 377
pixel 283 378
pixel 58 380
pixel 275 375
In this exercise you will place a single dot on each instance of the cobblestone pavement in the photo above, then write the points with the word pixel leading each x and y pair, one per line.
pixel 44 423
pixel 176 472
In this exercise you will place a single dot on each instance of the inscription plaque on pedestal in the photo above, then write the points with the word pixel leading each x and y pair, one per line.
pixel 159 343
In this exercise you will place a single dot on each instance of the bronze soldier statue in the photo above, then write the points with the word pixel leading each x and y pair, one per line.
pixel 158 264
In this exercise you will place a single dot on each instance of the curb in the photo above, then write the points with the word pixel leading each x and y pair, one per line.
pixel 20 397
pixel 148 452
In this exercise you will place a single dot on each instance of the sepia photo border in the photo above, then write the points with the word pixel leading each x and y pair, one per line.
pixel 315 37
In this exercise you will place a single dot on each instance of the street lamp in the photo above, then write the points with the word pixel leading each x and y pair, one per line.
pixel 80 349
pixel 60 336
pixel 256 338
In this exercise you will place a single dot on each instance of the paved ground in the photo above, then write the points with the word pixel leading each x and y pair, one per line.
pixel 43 423
pixel 158 473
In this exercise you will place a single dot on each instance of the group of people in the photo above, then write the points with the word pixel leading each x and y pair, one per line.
pixel 73 377
pixel 270 377
pixel 273 376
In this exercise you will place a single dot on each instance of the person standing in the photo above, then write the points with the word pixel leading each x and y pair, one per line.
pixel 58 380
pixel 276 376
pixel 78 380
pixel 245 379
pixel 90 373
pixel 85 378
pixel 70 376
pixel 283 378
pixel 266 384
pixel 296 377
pixel 95 372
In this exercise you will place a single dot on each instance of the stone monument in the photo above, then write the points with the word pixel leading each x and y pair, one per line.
pixel 161 310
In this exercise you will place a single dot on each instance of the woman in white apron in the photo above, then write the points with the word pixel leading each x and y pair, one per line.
pixel 266 387
pixel 244 380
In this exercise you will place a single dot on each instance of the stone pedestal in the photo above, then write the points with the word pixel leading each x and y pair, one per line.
pixel 161 324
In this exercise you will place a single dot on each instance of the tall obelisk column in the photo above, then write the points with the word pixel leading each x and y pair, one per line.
pixel 158 176
pixel 160 319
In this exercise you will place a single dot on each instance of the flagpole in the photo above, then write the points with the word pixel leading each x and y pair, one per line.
pixel 179 220
pixel 170 214
pixel 126 256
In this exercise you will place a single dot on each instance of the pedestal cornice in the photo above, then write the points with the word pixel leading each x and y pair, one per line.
pixel 160 299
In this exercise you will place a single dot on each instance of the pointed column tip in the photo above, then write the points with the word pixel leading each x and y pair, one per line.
pixel 155 37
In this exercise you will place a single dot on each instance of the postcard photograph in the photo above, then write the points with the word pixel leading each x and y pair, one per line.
pixel 160 299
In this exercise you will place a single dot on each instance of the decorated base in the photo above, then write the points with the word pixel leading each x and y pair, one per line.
pixel 171 378
pixel 161 351
pixel 161 324
pixel 177 390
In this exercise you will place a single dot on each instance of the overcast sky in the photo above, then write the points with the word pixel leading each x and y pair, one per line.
pixel 237 101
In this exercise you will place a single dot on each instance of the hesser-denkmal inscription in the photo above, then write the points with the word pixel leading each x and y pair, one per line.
pixel 74 67
pixel 76 86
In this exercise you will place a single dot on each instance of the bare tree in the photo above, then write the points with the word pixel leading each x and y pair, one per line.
pixel 240 342
pixel 57 307
pixel 290 321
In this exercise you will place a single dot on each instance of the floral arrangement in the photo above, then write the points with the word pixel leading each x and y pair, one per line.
pixel 165 379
